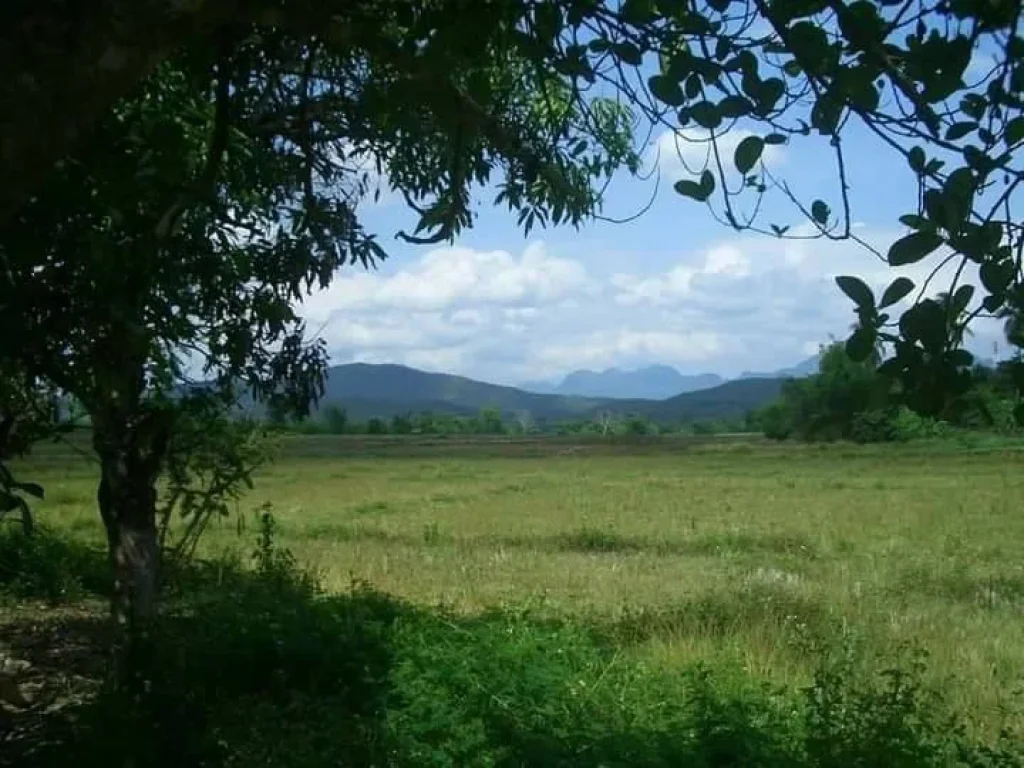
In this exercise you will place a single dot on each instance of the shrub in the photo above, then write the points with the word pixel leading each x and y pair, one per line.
pixel 48 567
pixel 273 672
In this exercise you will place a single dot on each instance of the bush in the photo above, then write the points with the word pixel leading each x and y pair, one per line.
pixel 273 672
pixel 896 425
pixel 45 566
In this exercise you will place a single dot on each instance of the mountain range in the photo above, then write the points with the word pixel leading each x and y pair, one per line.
pixel 367 390
pixel 653 382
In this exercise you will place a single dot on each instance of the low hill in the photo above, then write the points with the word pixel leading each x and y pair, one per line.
pixel 729 400
pixel 384 390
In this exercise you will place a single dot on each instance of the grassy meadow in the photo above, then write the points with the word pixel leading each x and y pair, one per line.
pixel 731 551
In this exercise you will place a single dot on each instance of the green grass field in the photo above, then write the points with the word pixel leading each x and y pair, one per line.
pixel 680 551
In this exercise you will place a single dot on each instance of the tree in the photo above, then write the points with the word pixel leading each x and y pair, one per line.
pixel 236 123
pixel 827 405
pixel 785 71
pixel 401 424
pixel 30 411
pixel 489 422
pixel 336 418
pixel 178 238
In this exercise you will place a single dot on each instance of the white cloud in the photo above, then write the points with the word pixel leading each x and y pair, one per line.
pixel 743 303
pixel 684 153
pixel 451 278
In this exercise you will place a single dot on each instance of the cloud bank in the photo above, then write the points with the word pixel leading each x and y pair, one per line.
pixel 741 303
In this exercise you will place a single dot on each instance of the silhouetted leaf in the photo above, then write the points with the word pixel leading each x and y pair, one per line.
pixel 959 130
pixel 996 275
pixel 914 221
pixel 973 106
pixel 734 106
pixel 857 290
pixel 8 502
pixel 628 53
pixel 861 344
pixel 913 248
pixel 748 152
pixel 32 489
pixel 820 211
pixel 1014 131
pixel 897 290
pixel 962 298
pixel 916 158
pixel 666 90
pixel 699 191
pixel 706 115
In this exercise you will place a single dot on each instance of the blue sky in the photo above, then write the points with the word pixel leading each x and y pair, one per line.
pixel 672 287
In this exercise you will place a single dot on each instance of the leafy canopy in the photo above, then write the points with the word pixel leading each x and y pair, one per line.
pixel 936 84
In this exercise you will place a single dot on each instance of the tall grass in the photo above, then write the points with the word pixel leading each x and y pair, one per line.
pixel 264 668
pixel 779 578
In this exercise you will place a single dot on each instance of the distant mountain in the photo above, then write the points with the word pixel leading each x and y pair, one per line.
pixel 386 390
pixel 383 391
pixel 808 367
pixel 654 382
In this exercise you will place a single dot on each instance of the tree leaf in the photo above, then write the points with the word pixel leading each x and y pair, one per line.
pixel 898 289
pixel 775 139
pixel 959 130
pixel 913 248
pixel 666 89
pixel 628 53
pixel 857 290
pixel 1014 131
pixel 706 115
pixel 9 501
pixel 769 93
pixel 996 275
pixel 810 45
pixel 962 298
pixel 707 183
pixel 973 106
pixel 958 197
pixel 748 152
pixel 825 114
pixel 691 189
pixel 734 106
pixel 861 344
pixel 914 221
pixel 820 211
pixel 32 489
pixel 916 159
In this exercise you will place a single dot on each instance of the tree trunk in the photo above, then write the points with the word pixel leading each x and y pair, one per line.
pixel 128 507
pixel 127 502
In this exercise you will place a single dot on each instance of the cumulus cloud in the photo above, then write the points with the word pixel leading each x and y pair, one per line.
pixel 743 303
pixel 683 153
pixel 449 279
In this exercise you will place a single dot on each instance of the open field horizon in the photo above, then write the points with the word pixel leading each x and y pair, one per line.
pixel 680 551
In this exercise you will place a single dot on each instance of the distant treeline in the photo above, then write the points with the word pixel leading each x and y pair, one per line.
pixel 850 400
pixel 333 419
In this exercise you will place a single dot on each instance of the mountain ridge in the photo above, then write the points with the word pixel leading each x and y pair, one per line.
pixel 652 382
pixel 369 390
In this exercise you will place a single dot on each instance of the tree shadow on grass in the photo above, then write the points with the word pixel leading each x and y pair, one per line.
pixel 259 669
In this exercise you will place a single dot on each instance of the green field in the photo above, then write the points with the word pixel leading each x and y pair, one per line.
pixel 729 551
